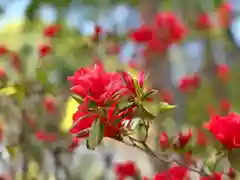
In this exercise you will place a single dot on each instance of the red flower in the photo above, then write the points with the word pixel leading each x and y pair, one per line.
pixel 3 74
pixel 174 173
pixel 129 81
pixel 45 136
pixel 164 141
pixel 83 120
pixel 142 35
pixel 203 22
pixel 188 157
pixel 189 83
pixel 224 11
pixel 231 173
pixel 226 129
pixel 168 26
pixel 3 50
pixel 127 169
pixel 15 61
pixel 98 29
pixel 183 139
pixel 97 85
pixel 161 176
pixel 44 50
pixel 225 105
pixel 97 33
pixel 201 138
pixel 167 29
pixel 223 72
pixel 51 30
pixel 49 104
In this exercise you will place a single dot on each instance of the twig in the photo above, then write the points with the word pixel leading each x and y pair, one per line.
pixel 150 152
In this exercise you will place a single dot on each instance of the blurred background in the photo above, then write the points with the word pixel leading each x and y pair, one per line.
pixel 22 23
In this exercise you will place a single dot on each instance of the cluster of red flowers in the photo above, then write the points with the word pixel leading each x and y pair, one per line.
pixel 166 30
pixel 226 129
pixel 102 93
pixel 49 32
pixel 224 14
pixel 129 169
pixel 97 34
pixel 189 83
pixel 176 172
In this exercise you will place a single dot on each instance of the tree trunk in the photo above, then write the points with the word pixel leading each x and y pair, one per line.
pixel 159 74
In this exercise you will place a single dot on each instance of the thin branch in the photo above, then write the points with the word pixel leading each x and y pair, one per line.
pixel 150 152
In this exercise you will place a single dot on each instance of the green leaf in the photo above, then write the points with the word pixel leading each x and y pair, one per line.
pixel 150 93
pixel 137 87
pixel 151 108
pixel 77 98
pixel 95 135
pixel 154 108
pixel 210 161
pixel 125 105
pixel 166 107
pixel 234 159
pixel 41 75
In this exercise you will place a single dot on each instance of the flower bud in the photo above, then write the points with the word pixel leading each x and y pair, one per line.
pixel 164 141
pixel 231 173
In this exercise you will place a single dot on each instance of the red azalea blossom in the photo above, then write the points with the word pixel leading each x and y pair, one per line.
pixel 129 81
pixel 51 30
pixel 167 29
pixel 201 138
pixel 127 169
pixel 97 33
pixel 188 157
pixel 189 83
pixel 96 84
pixel 44 50
pixel 98 29
pixel 3 74
pixel 174 173
pixel 49 104
pixel 163 140
pixel 3 50
pixel 45 136
pixel 15 61
pixel 231 173
pixel 224 11
pixel 141 35
pixel 225 105
pixel 183 139
pixel 223 72
pixel 112 123
pixel 226 129
pixel 203 22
